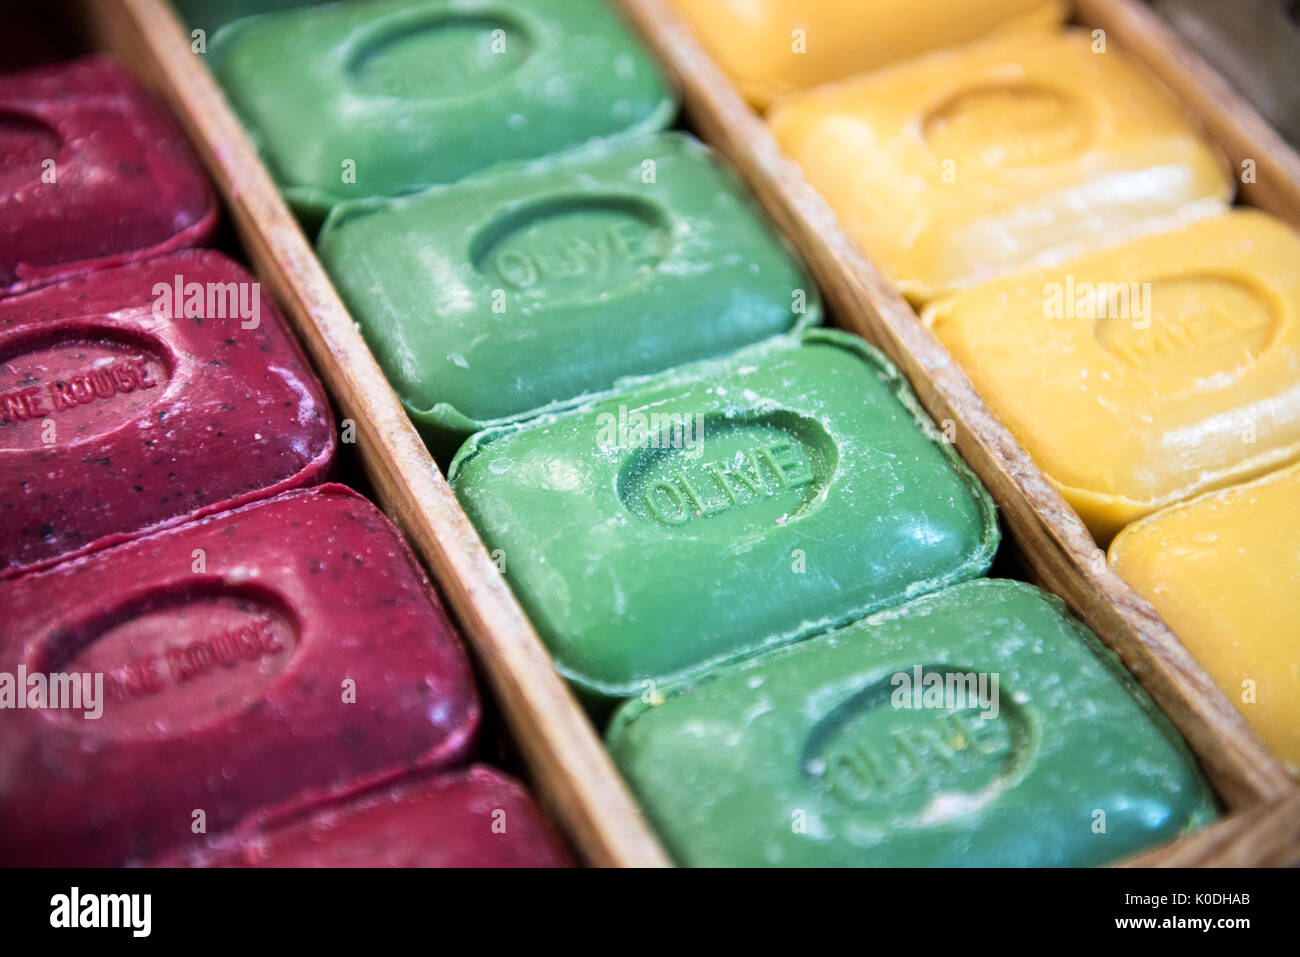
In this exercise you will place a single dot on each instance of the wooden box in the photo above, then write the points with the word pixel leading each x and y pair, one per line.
pixel 568 766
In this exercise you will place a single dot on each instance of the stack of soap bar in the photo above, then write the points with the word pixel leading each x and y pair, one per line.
pixel 517 290
pixel 93 173
pixel 138 396
pixel 1254 43
pixel 1009 153
pixel 800 472
pixel 889 743
pixel 1146 374
pixel 1224 572
pixel 772 47
pixel 380 98
pixel 287 649
pixel 474 818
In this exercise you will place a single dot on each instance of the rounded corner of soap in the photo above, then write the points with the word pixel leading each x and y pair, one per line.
pixel 936 312
pixel 337 216
pixel 688 142
pixel 813 317
pixel 226 37
pixel 1130 532
pixel 665 112
pixel 461 458
pixel 1104 514
pixel 311 204
pixel 451 436
pixel 625 714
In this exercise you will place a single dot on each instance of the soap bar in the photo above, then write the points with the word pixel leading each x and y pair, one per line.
pixel 473 818
pixel 93 173
pixel 1224 571
pixel 1254 43
pixel 510 292
pixel 772 47
pixel 289 648
pixel 980 726
pixel 1147 374
pixel 351 100
pixel 722 508
pixel 1010 153
pixel 116 418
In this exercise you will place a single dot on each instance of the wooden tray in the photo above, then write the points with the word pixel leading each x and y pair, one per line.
pixel 573 775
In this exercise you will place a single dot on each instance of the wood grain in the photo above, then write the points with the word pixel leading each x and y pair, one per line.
pixel 1061 553
pixel 574 776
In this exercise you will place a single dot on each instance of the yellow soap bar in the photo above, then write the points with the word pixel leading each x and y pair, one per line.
pixel 772 47
pixel 1224 571
pixel 1143 375
pixel 1010 153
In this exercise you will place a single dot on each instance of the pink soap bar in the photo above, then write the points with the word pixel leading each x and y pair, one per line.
pixel 474 818
pixel 116 418
pixel 287 650
pixel 93 173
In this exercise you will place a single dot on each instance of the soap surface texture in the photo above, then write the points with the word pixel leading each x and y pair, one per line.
pixel 288 649
pixel 517 290
pixel 351 100
pixel 1013 152
pixel 722 508
pixel 1223 571
pixel 1143 376
pixel 473 818
pixel 93 173
pixel 829 752
pixel 772 47
pixel 135 397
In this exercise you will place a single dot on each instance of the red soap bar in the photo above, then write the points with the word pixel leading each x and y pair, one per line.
pixel 115 419
pixel 474 818
pixel 291 649
pixel 123 183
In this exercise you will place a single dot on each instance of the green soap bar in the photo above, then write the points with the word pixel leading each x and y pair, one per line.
pixel 386 97
pixel 724 507
pixel 526 287
pixel 825 754
pixel 211 15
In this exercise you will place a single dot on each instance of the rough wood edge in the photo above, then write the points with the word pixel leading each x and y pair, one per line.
pixel 574 776
pixel 1062 553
